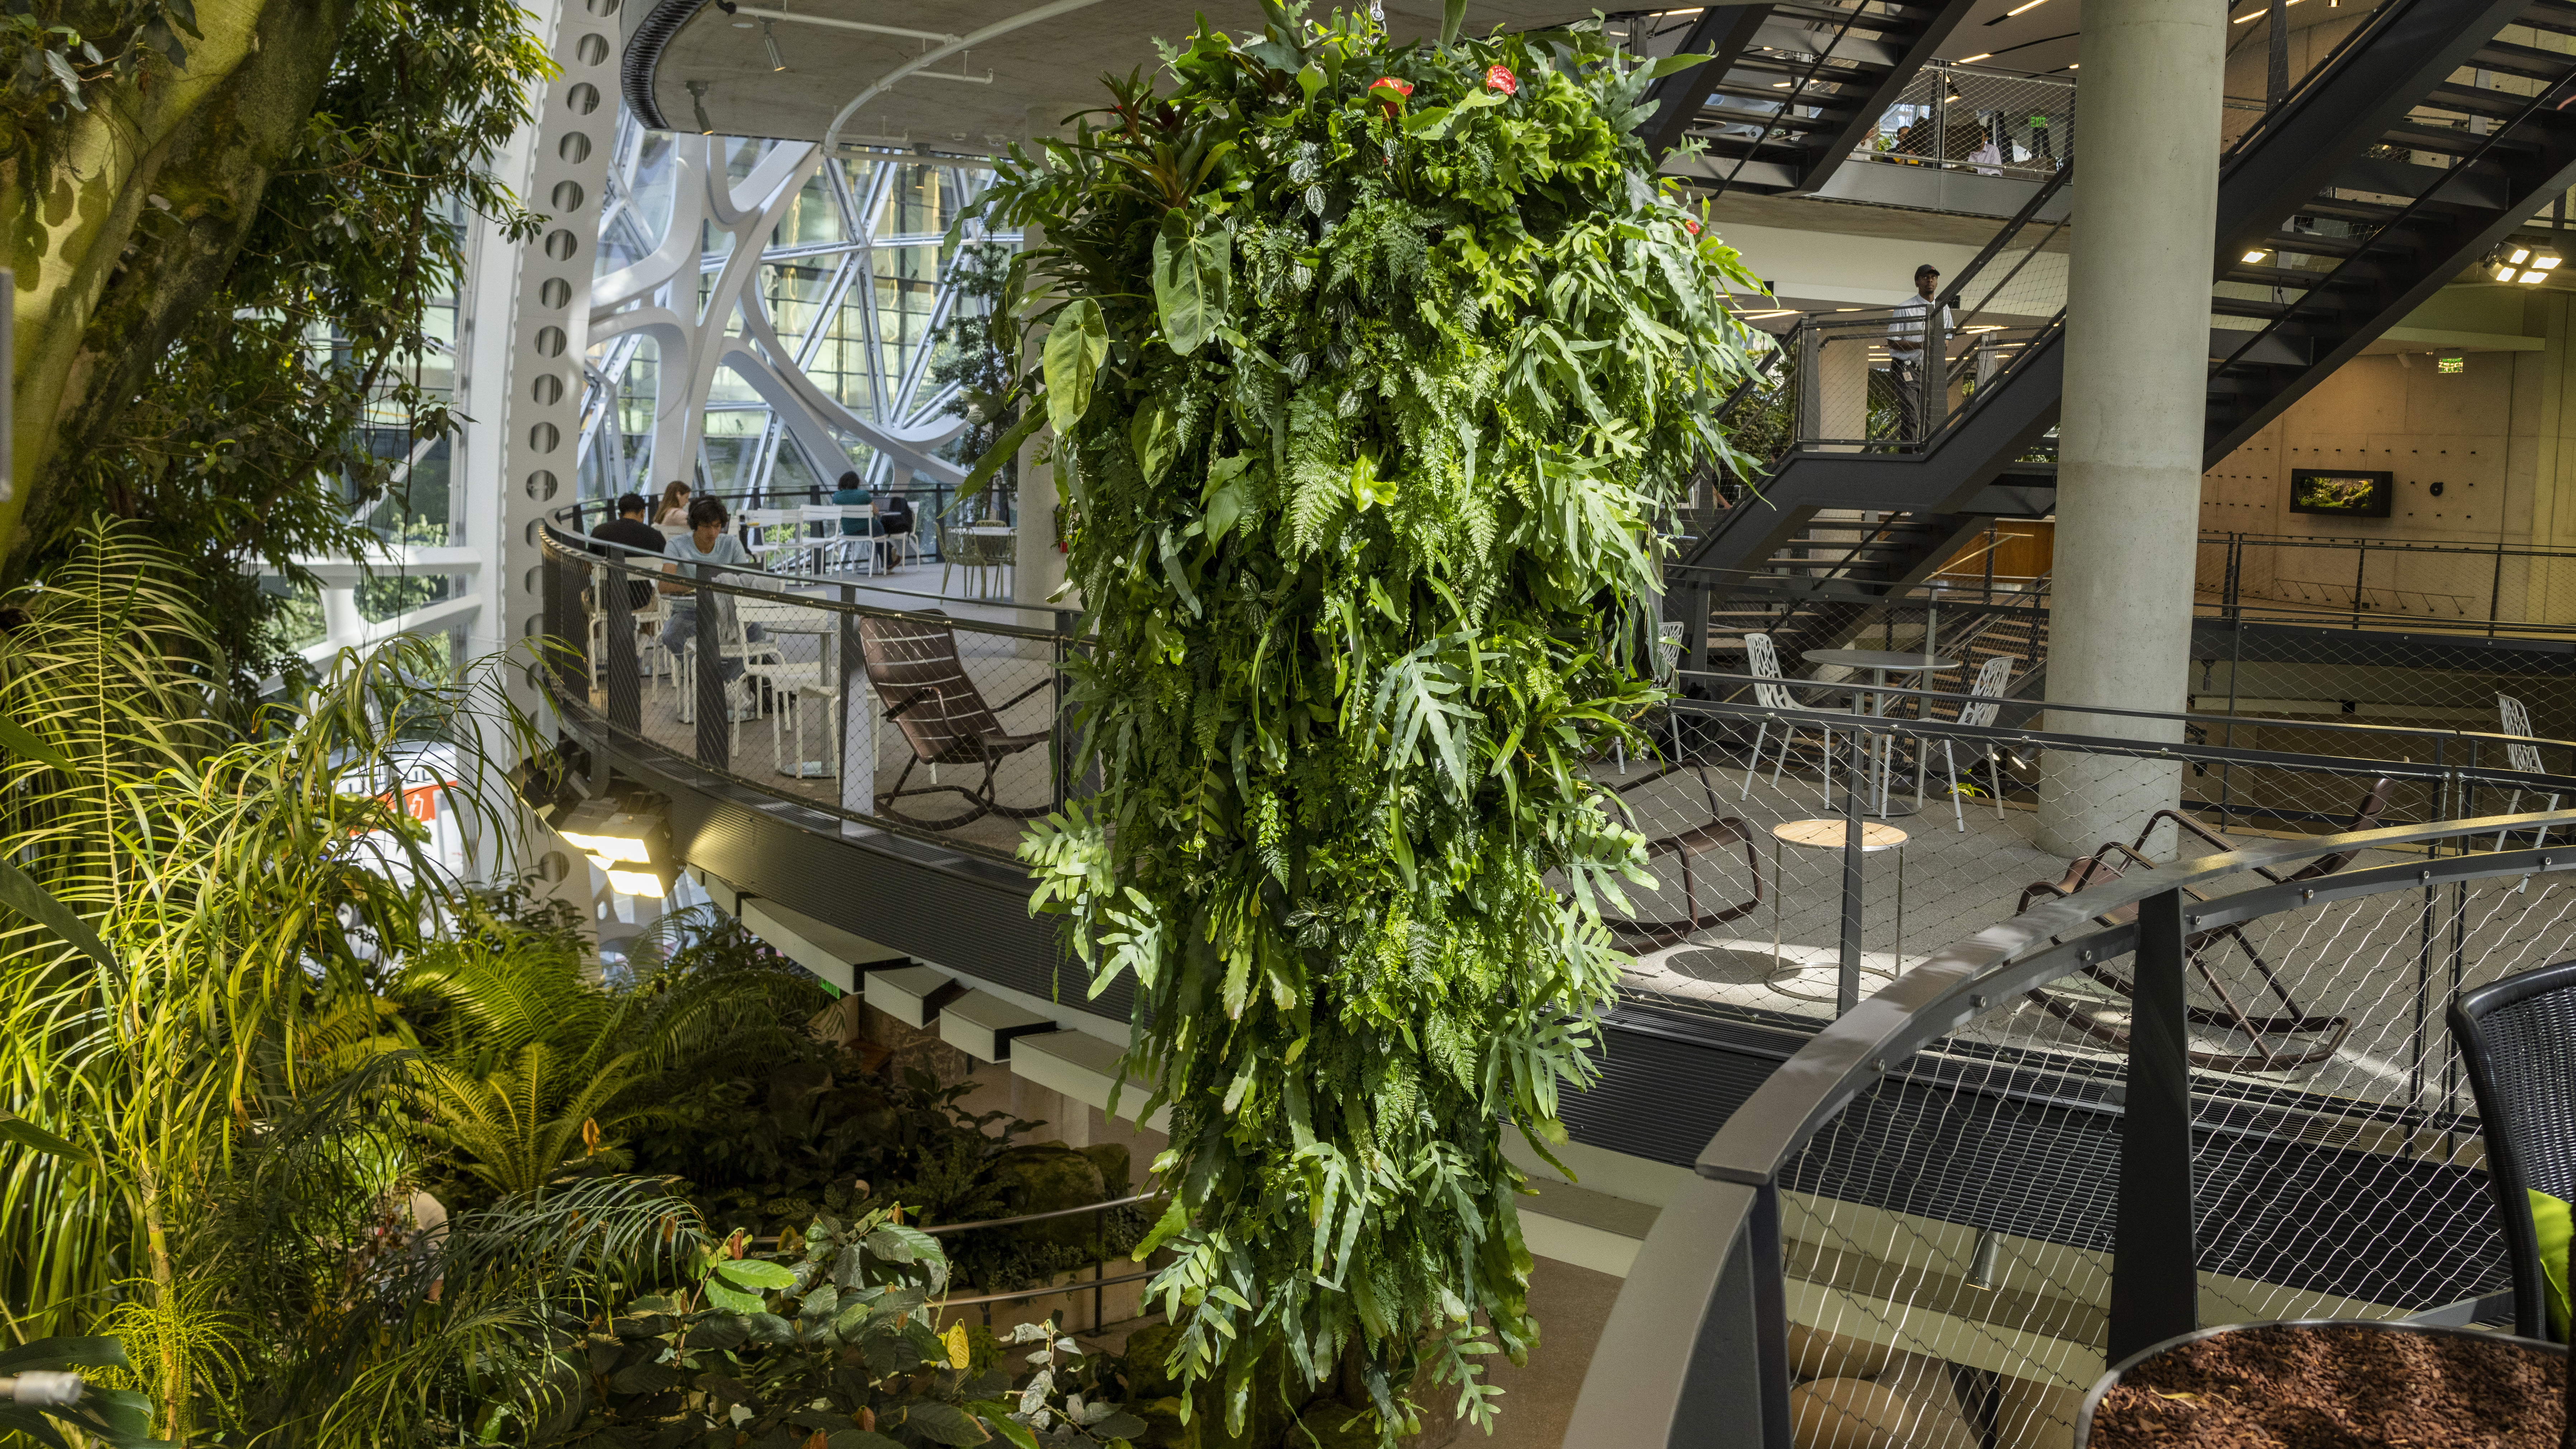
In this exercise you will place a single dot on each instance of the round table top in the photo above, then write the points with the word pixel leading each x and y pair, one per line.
pixel 1829 835
pixel 1877 659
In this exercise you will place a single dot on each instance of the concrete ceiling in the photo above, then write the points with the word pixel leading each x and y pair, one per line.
pixel 2044 37
pixel 1040 74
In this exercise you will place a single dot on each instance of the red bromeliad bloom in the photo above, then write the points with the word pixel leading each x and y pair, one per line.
pixel 1400 89
pixel 1692 225
pixel 1499 79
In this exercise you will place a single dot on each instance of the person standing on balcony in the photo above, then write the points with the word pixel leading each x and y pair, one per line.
pixel 1907 354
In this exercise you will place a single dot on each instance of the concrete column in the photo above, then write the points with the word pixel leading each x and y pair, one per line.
pixel 1038 570
pixel 2128 500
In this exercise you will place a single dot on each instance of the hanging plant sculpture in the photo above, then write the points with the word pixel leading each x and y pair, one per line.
pixel 1368 366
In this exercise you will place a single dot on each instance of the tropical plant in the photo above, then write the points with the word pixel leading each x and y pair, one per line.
pixel 532 1069
pixel 232 232
pixel 231 878
pixel 831 1339
pixel 1368 366
pixel 977 351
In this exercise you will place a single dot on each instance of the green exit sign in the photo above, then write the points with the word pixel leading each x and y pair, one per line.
pixel 2450 364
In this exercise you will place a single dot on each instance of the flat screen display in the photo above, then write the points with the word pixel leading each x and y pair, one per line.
pixel 2353 495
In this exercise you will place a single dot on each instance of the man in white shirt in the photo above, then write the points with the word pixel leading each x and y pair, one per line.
pixel 1906 353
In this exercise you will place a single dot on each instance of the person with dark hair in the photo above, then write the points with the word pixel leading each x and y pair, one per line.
pixel 705 552
pixel 1915 338
pixel 635 536
pixel 674 512
pixel 894 519
pixel 852 492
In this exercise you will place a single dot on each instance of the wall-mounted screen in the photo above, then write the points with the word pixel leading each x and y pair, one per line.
pixel 2353 495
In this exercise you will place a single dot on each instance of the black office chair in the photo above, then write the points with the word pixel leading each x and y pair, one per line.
pixel 2517 1038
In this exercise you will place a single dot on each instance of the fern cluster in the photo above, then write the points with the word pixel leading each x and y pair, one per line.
pixel 1369 366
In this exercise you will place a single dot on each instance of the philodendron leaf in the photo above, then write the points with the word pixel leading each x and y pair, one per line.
pixel 1000 453
pixel 1192 275
pixel 1075 347
pixel 1153 437
pixel 1673 64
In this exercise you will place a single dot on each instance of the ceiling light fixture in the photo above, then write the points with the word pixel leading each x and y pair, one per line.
pixel 2255 256
pixel 1982 1260
pixel 1972 60
pixel 698 104
pixel 2025 5
pixel 2259 14
pixel 769 38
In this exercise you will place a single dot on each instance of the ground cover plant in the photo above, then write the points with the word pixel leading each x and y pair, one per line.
pixel 1367 366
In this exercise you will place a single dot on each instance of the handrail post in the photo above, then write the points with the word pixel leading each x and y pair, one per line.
pixel 2155 1277
pixel 1062 751
pixel 714 710
pixel 1847 974
pixel 625 681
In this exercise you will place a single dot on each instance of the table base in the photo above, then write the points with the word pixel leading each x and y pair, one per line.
pixel 1818 980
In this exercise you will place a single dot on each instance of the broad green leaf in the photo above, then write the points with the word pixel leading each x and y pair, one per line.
pixel 756 1273
pixel 943 1423
pixel 1192 277
pixel 1225 496
pixel 1434 122
pixel 997 1417
pixel 1366 487
pixel 731 1299
pixel 1452 17
pixel 1154 438
pixel 860 1439
pixel 1075 347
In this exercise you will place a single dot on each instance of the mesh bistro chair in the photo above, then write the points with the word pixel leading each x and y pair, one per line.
pixel 1987 694
pixel 2524 758
pixel 914 667
pixel 2517 1042
pixel 2305 1038
pixel 1710 839
pixel 1763 662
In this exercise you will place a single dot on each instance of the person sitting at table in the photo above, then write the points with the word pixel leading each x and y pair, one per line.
pixel 674 511
pixel 704 552
pixel 852 492
pixel 630 529
pixel 894 518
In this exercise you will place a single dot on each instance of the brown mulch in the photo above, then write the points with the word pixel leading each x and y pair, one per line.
pixel 2337 1388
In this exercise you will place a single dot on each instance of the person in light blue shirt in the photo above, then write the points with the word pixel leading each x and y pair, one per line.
pixel 704 552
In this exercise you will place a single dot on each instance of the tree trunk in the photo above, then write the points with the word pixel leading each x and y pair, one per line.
pixel 174 1393
pixel 124 219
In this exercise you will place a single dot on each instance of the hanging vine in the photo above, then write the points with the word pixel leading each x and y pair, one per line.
pixel 1368 366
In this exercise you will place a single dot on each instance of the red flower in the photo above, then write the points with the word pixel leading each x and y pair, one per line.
pixel 1395 92
pixel 1691 225
pixel 1499 79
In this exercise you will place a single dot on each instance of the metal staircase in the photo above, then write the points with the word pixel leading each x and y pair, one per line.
pixel 1793 89
pixel 2403 160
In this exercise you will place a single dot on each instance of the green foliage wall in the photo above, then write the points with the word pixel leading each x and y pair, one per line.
pixel 1369 365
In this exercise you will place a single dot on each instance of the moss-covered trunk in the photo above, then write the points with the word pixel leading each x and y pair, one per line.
pixel 123 219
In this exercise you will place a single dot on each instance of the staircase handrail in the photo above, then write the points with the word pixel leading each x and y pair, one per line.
pixel 2297 95
pixel 2326 283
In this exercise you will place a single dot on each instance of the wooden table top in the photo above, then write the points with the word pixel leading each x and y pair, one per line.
pixel 1829 835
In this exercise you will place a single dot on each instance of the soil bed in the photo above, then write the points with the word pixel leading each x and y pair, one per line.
pixel 2337 1387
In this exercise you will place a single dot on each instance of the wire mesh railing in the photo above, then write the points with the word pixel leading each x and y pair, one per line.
pixel 930 717
pixel 2054 1141
pixel 1987 122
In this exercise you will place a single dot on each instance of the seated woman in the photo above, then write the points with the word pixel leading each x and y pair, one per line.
pixel 673 510
pixel 704 552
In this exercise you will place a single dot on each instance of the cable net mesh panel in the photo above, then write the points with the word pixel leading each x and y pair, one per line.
pixel 1948 1238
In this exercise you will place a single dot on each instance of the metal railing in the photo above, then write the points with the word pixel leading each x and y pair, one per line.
pixel 1944 1214
pixel 891 710
pixel 2381 583
pixel 1989 122
pixel 1100 1281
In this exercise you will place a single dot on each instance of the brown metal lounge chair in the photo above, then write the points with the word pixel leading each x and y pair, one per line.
pixel 1706 839
pixel 914 667
pixel 2114 859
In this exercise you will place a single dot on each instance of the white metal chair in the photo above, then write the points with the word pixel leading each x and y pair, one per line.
pixel 818 535
pixel 1987 693
pixel 766 664
pixel 733 642
pixel 768 532
pixel 1762 661
pixel 2522 757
